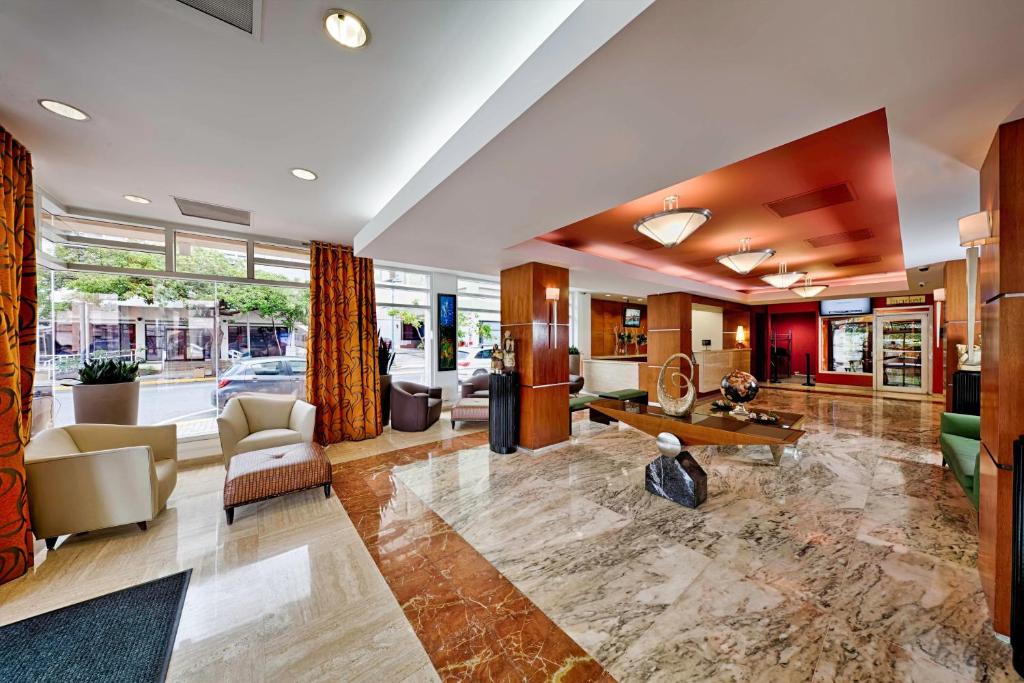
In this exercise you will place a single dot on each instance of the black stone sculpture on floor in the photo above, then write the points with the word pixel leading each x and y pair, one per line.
pixel 675 475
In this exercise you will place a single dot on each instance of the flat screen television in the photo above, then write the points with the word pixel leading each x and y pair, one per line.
pixel 861 306
pixel 631 317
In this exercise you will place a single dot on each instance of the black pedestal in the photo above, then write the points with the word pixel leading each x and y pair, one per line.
pixel 675 475
pixel 503 416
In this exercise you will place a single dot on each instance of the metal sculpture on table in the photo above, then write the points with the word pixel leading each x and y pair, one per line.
pixel 670 405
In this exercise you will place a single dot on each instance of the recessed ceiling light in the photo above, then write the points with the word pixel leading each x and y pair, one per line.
pixel 303 174
pixel 346 28
pixel 65 110
pixel 136 198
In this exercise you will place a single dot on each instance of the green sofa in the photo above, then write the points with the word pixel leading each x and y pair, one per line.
pixel 960 441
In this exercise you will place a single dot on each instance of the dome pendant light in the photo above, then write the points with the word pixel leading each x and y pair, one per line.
pixel 744 260
pixel 672 225
pixel 807 289
pixel 784 278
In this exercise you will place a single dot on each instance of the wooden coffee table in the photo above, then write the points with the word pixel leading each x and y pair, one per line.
pixel 270 472
pixel 705 427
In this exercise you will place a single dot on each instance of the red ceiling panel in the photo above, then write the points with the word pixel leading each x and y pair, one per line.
pixel 833 189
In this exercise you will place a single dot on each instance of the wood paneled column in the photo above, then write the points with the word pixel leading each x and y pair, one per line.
pixel 542 350
pixel 1002 362
pixel 669 317
pixel 954 315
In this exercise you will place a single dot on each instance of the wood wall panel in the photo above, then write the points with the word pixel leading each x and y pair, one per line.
pixel 730 320
pixel 604 316
pixel 669 318
pixel 954 315
pixel 1002 364
pixel 542 364
pixel 551 403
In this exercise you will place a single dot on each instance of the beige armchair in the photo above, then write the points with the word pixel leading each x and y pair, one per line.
pixel 250 422
pixel 94 476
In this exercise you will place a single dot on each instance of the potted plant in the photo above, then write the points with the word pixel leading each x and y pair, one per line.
pixel 641 341
pixel 107 392
pixel 574 360
pixel 385 358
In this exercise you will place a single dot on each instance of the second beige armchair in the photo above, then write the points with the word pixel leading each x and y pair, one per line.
pixel 251 422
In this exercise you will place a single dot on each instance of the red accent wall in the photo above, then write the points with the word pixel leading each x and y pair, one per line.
pixel 802 317
pixel 804 327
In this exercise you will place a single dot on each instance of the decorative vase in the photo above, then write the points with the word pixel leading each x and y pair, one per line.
pixel 112 404
pixel 739 387
pixel 670 405
pixel 574 363
pixel 385 399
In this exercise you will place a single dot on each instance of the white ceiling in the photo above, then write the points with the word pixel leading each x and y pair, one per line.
pixel 467 128
pixel 691 86
pixel 182 104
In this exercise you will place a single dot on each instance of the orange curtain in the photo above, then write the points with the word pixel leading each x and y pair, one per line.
pixel 342 380
pixel 17 352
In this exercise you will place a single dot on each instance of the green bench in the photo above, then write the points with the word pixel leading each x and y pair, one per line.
pixel 580 402
pixel 960 442
pixel 635 395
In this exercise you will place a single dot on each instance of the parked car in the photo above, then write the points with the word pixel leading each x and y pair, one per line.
pixel 278 375
pixel 474 360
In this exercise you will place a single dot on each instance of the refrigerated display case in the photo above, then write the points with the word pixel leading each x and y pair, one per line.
pixel 847 346
pixel 903 352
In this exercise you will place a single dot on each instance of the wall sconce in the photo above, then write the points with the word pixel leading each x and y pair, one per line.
pixel 975 231
pixel 552 294
pixel 939 295
pixel 741 337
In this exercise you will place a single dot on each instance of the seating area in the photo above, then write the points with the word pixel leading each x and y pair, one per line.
pixel 512 341
pixel 960 441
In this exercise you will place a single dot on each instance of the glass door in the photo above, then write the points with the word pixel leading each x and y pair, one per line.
pixel 901 352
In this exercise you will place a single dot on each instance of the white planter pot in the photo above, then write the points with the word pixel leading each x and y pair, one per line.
pixel 113 404
pixel 574 363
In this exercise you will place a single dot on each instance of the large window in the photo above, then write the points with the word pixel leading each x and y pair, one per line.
pixel 199 338
pixel 403 314
pixel 479 324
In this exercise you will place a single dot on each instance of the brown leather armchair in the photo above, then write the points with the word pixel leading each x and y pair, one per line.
pixel 414 407
pixel 477 386
pixel 575 384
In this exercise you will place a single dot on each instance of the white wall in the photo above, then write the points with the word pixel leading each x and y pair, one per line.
pixel 581 323
pixel 441 283
pixel 707 324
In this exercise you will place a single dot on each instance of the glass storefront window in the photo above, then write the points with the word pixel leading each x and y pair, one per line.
pixel 479 319
pixel 276 262
pixel 847 345
pixel 209 255
pixel 403 313
pixel 198 343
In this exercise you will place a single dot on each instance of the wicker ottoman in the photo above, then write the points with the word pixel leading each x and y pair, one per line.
pixel 470 410
pixel 272 472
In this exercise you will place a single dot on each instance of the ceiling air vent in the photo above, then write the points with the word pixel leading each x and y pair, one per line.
pixel 645 243
pixel 840 238
pixel 242 14
pixel 809 201
pixel 212 212
pixel 858 261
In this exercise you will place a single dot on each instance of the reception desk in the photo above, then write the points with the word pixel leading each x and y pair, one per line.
pixel 714 365
pixel 606 374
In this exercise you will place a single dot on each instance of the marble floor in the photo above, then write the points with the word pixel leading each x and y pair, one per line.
pixel 853 560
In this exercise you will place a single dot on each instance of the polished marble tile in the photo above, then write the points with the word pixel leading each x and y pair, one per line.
pixel 288 592
pixel 852 559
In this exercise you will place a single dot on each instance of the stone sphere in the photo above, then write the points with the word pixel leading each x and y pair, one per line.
pixel 739 386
